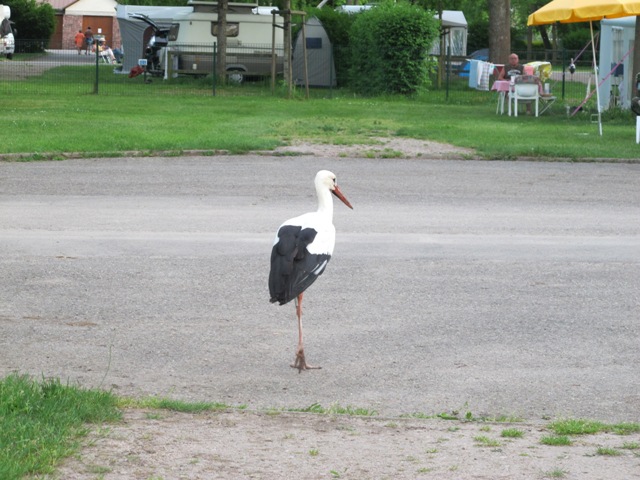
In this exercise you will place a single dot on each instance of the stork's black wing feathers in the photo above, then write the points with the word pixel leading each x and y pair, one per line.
pixel 293 268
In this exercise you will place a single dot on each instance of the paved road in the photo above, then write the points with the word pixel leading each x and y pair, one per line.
pixel 491 287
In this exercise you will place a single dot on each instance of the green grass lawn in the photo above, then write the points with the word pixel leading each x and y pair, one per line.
pixel 42 124
pixel 43 422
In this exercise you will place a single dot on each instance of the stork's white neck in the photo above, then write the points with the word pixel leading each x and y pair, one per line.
pixel 325 202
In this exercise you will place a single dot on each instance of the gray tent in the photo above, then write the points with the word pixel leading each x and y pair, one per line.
pixel 132 30
pixel 454 26
pixel 320 65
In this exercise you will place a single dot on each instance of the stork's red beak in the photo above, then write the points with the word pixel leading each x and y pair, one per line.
pixel 336 191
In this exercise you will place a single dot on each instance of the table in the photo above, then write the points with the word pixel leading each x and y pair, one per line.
pixel 502 87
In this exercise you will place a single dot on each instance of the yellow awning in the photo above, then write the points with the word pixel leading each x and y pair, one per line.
pixel 572 11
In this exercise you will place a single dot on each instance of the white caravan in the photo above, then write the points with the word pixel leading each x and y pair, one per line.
pixel 250 35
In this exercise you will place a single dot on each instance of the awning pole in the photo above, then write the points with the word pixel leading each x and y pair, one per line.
pixel 595 72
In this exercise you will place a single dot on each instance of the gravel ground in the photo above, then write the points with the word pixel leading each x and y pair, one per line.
pixel 234 445
pixel 498 288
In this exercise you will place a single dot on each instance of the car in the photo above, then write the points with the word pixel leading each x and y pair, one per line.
pixel 7 39
pixel 482 54
pixel 8 46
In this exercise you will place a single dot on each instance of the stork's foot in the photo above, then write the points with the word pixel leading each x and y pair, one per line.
pixel 301 363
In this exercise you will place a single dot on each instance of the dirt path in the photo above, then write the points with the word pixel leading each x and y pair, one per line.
pixel 38 64
pixel 239 445
pixel 396 147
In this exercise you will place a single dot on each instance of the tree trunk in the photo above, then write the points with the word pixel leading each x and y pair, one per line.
pixel 443 52
pixel 544 35
pixel 287 45
pixel 554 30
pixel 636 60
pixel 500 35
pixel 221 39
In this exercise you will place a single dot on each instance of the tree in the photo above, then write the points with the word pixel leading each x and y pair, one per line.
pixel 500 37
pixel 286 11
pixel 389 45
pixel 636 59
pixel 34 21
pixel 221 39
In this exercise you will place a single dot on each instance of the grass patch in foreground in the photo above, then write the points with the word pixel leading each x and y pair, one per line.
pixel 556 441
pixel 484 441
pixel 335 409
pixel 42 422
pixel 160 403
pixel 576 426
pixel 512 433
pixel 556 473
pixel 608 452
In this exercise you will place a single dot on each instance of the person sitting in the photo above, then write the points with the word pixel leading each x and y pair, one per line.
pixel 117 53
pixel 106 53
pixel 511 69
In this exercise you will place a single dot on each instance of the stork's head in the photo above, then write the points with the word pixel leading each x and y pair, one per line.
pixel 327 179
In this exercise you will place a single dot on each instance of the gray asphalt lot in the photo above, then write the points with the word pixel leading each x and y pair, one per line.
pixel 499 288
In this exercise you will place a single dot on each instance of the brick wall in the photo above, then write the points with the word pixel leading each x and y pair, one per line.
pixel 70 25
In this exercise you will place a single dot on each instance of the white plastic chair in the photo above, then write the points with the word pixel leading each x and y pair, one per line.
pixel 525 92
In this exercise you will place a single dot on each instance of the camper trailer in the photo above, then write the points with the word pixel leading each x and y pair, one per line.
pixel 252 41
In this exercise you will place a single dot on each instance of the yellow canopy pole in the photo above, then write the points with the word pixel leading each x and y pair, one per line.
pixel 595 71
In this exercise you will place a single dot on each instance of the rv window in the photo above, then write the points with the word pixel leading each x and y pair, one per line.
pixel 232 29
pixel 173 32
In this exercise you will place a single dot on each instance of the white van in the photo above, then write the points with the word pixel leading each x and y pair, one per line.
pixel 7 40
pixel 250 34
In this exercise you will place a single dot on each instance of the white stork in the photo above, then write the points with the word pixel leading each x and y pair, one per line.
pixel 301 251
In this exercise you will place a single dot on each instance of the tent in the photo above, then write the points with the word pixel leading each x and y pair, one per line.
pixel 320 65
pixel 454 24
pixel 573 11
pixel 616 38
pixel 132 30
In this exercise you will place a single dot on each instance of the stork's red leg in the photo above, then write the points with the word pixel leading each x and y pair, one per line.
pixel 301 363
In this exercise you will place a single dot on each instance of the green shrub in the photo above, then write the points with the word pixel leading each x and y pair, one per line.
pixel 337 25
pixel 389 46
pixel 34 21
